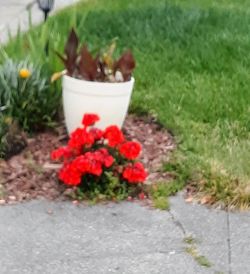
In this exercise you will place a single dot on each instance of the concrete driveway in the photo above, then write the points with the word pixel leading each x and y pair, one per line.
pixel 42 237
pixel 14 13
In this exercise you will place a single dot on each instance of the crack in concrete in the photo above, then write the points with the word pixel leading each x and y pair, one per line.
pixel 178 223
pixel 229 244
pixel 185 234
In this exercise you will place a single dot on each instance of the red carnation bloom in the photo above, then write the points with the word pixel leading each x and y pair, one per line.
pixel 79 138
pixel 61 153
pixel 90 119
pixel 96 133
pixel 103 151
pixel 130 150
pixel 134 173
pixel 95 165
pixel 114 136
pixel 108 161
pixel 88 164
pixel 82 164
pixel 70 175
pixel 104 157
pixel 76 139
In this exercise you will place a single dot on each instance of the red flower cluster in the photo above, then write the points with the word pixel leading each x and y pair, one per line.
pixel 79 138
pixel 130 150
pixel 61 153
pixel 70 175
pixel 88 163
pixel 114 136
pixel 134 173
pixel 91 151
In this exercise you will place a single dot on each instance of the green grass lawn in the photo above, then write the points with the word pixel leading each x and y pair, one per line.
pixel 193 73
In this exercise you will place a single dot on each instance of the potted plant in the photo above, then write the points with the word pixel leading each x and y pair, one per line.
pixel 97 84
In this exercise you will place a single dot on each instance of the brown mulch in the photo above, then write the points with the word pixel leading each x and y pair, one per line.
pixel 31 174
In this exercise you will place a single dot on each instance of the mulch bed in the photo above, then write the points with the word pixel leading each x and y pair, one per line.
pixel 31 174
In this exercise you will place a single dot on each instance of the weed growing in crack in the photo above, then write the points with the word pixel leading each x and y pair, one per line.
pixel 192 250
pixel 190 240
pixel 200 259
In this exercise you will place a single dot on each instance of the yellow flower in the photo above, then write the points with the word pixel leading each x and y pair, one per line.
pixel 24 73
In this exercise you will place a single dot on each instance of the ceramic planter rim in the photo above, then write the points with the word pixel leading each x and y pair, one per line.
pixel 78 81
pixel 97 88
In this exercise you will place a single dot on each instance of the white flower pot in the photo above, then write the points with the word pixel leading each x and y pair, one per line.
pixel 109 100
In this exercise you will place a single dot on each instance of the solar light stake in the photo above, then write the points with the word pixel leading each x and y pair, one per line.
pixel 46 6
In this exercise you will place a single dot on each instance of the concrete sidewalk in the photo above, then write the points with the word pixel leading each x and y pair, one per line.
pixel 14 13
pixel 45 237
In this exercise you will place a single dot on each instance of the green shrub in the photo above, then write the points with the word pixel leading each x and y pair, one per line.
pixel 27 95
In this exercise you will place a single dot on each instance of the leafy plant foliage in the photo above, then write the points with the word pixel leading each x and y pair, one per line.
pixel 83 65
pixel 25 95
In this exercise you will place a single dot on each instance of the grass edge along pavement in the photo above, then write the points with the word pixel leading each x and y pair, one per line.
pixel 192 74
